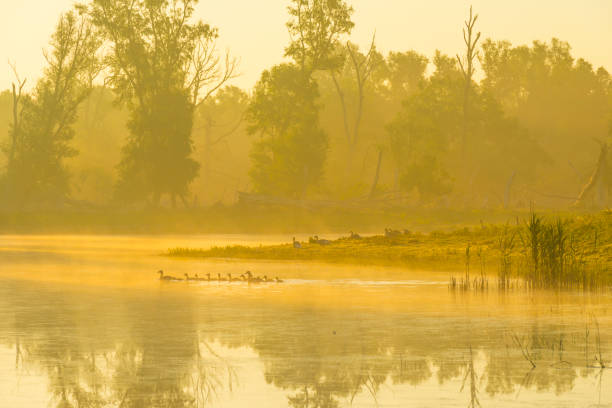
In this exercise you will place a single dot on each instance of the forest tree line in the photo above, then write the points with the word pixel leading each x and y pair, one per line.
pixel 136 106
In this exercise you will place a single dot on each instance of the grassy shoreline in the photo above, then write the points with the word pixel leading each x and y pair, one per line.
pixel 587 239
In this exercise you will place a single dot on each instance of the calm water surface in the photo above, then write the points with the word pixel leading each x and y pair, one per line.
pixel 84 322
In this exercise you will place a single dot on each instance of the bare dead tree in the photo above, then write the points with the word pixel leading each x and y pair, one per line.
pixel 508 190
pixel 466 63
pixel 211 140
pixel 208 73
pixel 17 90
pixel 472 377
pixel 362 69
pixel 599 182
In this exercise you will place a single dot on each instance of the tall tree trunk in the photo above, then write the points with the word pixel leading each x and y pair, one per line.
pixel 508 190
pixel 376 175
pixel 598 182
pixel 467 69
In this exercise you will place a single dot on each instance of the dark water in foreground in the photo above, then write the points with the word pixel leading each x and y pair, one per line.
pixel 85 323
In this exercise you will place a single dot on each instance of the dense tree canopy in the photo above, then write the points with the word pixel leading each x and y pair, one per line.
pixel 161 63
pixel 43 121
pixel 496 125
pixel 289 154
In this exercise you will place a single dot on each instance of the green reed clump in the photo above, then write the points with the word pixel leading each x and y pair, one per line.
pixel 464 284
pixel 553 258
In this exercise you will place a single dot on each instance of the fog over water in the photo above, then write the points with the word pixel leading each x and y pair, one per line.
pixel 333 335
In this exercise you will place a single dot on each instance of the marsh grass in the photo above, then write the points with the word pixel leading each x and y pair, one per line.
pixel 506 244
pixel 554 258
pixel 479 283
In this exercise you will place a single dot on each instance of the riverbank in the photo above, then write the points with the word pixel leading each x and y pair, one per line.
pixel 585 239
pixel 254 219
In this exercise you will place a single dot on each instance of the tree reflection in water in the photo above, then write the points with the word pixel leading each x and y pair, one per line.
pixel 126 349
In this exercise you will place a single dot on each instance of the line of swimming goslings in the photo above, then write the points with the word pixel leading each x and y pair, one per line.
pixel 246 277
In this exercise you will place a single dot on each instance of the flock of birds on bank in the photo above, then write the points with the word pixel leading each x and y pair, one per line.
pixel 245 277
pixel 320 241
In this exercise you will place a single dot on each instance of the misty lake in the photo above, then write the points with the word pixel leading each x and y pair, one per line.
pixel 85 322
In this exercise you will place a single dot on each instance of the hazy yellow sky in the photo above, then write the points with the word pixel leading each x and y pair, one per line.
pixel 254 30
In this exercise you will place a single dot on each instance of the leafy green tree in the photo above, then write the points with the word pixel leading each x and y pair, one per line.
pixel 426 139
pixel 162 66
pixel 423 130
pixel 316 27
pixel 405 72
pixel 289 154
pixel 43 121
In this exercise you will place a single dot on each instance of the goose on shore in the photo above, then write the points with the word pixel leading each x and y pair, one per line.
pixel 296 244
pixel 277 280
pixel 321 241
pixel 390 233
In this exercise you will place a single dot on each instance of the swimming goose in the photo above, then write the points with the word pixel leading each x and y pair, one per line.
pixel 277 280
pixel 167 277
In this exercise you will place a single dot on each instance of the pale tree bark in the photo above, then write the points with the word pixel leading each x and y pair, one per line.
pixel 362 69
pixel 599 182
pixel 376 174
pixel 17 91
pixel 466 64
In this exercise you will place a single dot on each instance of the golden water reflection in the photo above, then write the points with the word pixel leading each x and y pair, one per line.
pixel 325 338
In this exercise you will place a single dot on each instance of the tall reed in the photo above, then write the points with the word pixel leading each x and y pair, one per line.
pixel 552 257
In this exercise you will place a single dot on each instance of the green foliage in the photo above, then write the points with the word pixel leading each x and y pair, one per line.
pixel 290 151
pixel 423 130
pixel 339 121
pixel 405 72
pixel 315 28
pixel 160 63
pixel 40 139
pixel 428 176
pixel 563 103
pixel 426 136
pixel 156 158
